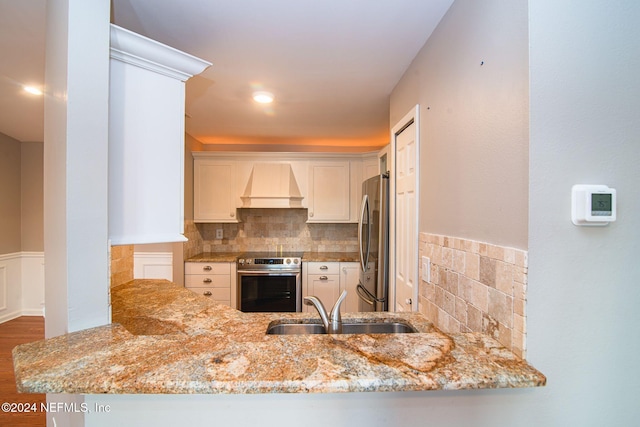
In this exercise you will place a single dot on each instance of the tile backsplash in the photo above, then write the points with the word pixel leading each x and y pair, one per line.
pixel 121 264
pixel 476 287
pixel 270 229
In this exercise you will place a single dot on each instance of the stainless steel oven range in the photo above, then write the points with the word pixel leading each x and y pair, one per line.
pixel 268 283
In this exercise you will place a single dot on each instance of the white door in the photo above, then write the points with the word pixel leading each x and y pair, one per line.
pixel 406 213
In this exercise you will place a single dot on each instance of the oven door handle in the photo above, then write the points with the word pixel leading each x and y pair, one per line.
pixel 269 272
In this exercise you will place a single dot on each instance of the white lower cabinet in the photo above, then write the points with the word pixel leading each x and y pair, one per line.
pixel 326 280
pixel 349 276
pixel 216 280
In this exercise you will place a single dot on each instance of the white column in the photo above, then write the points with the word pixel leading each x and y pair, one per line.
pixel 75 165
pixel 75 174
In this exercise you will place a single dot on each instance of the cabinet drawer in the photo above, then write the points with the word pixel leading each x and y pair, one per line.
pixel 207 268
pixel 207 280
pixel 217 294
pixel 324 278
pixel 323 268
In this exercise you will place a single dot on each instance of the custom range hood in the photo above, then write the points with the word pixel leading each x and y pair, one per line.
pixel 272 185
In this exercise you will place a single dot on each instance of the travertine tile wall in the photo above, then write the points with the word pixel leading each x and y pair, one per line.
pixel 268 229
pixel 121 264
pixel 476 287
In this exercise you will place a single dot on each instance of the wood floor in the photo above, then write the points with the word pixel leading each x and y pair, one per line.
pixel 12 333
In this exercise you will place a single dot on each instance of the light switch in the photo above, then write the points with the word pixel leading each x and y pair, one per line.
pixel 426 269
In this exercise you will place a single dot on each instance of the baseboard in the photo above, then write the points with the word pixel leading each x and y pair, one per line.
pixel 32 312
pixel 10 316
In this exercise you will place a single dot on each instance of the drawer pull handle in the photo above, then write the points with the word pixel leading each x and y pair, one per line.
pixel 324 278
pixel 207 293
pixel 207 268
pixel 324 267
pixel 207 280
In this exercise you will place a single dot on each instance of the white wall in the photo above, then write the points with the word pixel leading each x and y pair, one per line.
pixel 583 319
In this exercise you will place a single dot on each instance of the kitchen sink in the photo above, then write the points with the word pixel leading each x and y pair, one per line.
pixel 347 328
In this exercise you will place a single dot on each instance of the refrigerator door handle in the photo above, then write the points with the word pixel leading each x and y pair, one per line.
pixel 360 290
pixel 364 208
pixel 368 296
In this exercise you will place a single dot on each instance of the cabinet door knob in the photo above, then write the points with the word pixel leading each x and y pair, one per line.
pixel 324 278
pixel 207 293
pixel 324 267
pixel 207 280
pixel 232 214
pixel 207 268
pixel 310 214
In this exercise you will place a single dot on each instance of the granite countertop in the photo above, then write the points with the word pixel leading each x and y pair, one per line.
pixel 214 257
pixel 306 256
pixel 170 340
pixel 331 256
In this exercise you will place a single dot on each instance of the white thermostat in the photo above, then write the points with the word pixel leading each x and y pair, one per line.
pixel 593 205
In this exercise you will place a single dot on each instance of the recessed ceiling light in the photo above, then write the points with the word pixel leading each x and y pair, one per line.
pixel 32 90
pixel 263 97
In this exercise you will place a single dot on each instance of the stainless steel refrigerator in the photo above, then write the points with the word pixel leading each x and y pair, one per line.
pixel 373 236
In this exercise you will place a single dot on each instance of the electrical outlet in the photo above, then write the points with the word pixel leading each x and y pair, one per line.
pixel 426 269
pixel 219 233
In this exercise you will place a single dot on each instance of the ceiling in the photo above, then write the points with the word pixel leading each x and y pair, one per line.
pixel 331 64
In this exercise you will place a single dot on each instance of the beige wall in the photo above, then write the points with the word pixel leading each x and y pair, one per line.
pixel 473 122
pixel 21 196
pixel 32 228
pixel 9 195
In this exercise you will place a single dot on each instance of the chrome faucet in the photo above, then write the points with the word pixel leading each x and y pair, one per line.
pixel 332 323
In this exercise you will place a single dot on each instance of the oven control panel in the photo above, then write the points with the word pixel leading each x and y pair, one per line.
pixel 270 262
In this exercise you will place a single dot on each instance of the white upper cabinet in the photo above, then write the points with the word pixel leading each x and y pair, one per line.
pixel 214 190
pixel 329 191
pixel 370 167
pixel 328 185
pixel 146 138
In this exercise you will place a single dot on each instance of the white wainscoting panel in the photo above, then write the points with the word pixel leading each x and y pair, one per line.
pixel 153 265
pixel 21 285
pixel 3 287
pixel 32 280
